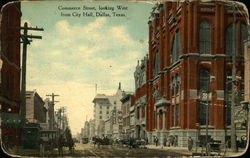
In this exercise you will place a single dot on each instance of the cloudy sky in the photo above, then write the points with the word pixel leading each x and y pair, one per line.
pixel 78 52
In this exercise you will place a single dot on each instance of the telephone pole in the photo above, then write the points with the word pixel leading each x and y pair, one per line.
pixel 53 97
pixel 25 40
pixel 53 104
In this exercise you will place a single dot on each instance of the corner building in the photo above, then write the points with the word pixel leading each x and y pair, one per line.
pixel 10 71
pixel 190 66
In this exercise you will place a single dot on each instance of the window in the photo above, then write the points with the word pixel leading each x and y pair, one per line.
pixel 100 112
pixel 204 79
pixel 177 87
pixel 244 35
pixel 173 86
pixel 176 46
pixel 107 112
pixel 156 64
pixel 177 115
pixel 205 37
pixel 100 117
pixel 230 38
pixel 107 107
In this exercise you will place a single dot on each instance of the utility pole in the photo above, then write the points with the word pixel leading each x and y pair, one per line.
pixel 53 97
pixel 53 104
pixel 25 40
pixel 234 91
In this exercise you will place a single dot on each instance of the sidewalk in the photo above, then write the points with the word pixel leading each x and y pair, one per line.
pixel 184 151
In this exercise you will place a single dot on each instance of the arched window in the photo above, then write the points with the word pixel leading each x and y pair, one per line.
pixel 176 46
pixel 205 37
pixel 204 88
pixel 244 35
pixel 230 39
pixel 156 64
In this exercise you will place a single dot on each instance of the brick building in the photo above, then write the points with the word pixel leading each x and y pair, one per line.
pixel 35 109
pixel 10 73
pixel 127 100
pixel 190 67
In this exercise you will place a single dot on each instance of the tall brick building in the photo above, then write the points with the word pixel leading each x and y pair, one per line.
pixel 190 67
pixel 10 73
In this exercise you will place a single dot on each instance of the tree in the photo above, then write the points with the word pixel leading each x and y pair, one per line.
pixel 69 140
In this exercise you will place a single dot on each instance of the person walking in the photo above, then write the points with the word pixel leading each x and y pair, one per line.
pixel 190 143
pixel 156 141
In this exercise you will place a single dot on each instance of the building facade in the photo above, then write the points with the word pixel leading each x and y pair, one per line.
pixel 140 105
pixel 35 109
pixel 127 101
pixel 189 76
pixel 102 112
pixel 10 17
pixel 107 111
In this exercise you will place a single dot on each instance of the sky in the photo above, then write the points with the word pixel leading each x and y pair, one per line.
pixel 76 53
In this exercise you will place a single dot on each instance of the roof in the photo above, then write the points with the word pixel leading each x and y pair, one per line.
pixel 100 96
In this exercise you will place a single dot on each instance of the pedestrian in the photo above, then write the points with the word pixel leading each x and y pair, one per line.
pixel 190 143
pixel 156 141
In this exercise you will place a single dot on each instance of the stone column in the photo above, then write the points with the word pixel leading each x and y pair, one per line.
pixel 164 120
pixel 158 121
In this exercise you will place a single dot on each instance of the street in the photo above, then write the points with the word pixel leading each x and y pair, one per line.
pixel 119 151
pixel 87 150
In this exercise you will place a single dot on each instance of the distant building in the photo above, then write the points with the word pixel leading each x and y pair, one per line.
pixel 127 101
pixel 132 117
pixel 86 130
pixel 91 128
pixel 108 107
pixel 102 111
pixel 35 110
pixel 140 76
